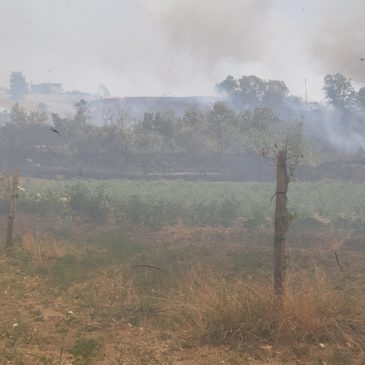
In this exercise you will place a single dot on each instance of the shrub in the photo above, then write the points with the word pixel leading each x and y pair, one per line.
pixel 148 212
pixel 156 213
pixel 93 205
pixel 84 350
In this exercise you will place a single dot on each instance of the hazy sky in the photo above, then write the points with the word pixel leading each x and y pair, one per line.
pixel 181 47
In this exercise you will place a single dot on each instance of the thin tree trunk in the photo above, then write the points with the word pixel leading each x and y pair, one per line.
pixel 280 223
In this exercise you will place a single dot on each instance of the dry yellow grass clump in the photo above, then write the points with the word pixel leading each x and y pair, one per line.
pixel 112 293
pixel 209 307
pixel 43 249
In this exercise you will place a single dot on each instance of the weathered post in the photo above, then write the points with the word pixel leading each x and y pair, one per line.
pixel 280 222
pixel 14 182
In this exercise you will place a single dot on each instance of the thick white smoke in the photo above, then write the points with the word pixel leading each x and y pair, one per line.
pixel 212 32
pixel 339 38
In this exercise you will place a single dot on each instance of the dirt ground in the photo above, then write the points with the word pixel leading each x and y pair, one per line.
pixel 43 324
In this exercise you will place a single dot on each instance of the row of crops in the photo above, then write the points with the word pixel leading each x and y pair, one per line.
pixel 158 203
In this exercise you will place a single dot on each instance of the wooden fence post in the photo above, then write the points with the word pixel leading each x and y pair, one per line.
pixel 14 183
pixel 280 222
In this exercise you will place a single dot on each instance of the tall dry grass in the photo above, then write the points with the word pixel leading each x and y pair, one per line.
pixel 43 249
pixel 113 294
pixel 205 306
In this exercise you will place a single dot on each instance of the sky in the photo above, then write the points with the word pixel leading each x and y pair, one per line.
pixel 181 47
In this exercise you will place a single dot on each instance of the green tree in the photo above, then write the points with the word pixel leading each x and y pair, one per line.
pixel 251 91
pixel 18 115
pixel 18 85
pixel 276 93
pixel 229 85
pixel 221 123
pixel 260 128
pixel 340 92
pixel 82 114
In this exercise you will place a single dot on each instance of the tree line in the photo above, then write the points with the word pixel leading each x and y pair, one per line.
pixel 219 130
pixel 248 91
pixel 253 115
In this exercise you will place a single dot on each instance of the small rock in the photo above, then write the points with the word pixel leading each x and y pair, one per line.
pixel 15 325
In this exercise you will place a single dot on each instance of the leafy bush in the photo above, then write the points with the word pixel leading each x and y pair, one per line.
pixel 94 205
pixel 155 204
pixel 84 350
pixel 156 213
pixel 42 203
pixel 151 213
pixel 213 213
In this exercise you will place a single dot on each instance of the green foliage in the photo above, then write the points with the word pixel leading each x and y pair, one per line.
pixel 42 203
pixel 65 271
pixel 157 213
pixel 229 85
pixel 151 213
pixel 84 350
pixel 213 213
pixel 18 85
pixel 260 127
pixel 222 126
pixel 82 113
pixel 251 91
pixel 220 129
pixel 159 203
pixel 339 91
pixel 94 205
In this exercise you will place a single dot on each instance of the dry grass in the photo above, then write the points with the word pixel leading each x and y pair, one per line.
pixel 43 249
pixel 209 307
pixel 108 290
pixel 114 294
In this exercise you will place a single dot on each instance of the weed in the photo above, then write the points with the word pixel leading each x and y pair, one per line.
pixel 208 307
pixel 84 350
pixel 94 205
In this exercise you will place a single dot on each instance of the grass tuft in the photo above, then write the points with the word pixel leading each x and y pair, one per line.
pixel 209 308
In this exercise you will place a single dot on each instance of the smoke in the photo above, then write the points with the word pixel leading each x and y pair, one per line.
pixel 339 38
pixel 332 127
pixel 215 32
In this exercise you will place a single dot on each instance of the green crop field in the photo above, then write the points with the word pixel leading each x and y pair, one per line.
pixel 156 203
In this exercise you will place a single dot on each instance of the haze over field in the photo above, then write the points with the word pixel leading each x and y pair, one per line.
pixel 182 182
pixel 139 47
